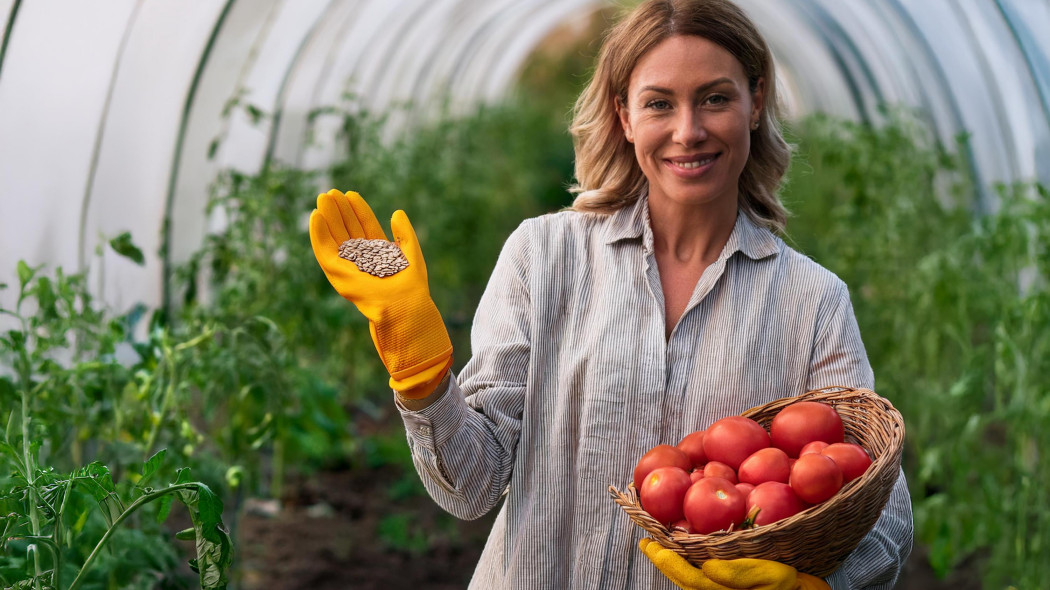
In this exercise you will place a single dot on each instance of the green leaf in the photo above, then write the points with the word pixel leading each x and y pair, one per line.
pixel 189 534
pixel 25 274
pixel 150 467
pixel 123 245
pixel 214 545
pixel 97 479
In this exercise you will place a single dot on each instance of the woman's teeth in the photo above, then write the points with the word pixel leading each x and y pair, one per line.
pixel 697 164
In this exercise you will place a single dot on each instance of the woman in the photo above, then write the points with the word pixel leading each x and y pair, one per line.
pixel 662 302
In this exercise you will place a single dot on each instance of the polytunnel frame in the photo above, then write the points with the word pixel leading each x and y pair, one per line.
pixel 984 35
pixel 8 27
pixel 166 265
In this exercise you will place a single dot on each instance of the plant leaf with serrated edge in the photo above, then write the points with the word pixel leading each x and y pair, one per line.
pixel 123 245
pixel 97 479
pixel 150 467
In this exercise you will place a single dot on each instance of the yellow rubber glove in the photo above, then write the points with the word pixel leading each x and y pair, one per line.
pixel 728 574
pixel 406 326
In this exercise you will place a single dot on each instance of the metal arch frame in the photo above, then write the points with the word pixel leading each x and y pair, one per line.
pixel 915 32
pixel 433 80
pixel 9 26
pixel 330 57
pixel 100 132
pixel 294 64
pixel 1040 74
pixel 374 74
pixel 836 39
pixel 541 19
pixel 166 263
pixel 1002 122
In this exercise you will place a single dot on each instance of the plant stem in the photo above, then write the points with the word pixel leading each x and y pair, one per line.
pixel 26 375
pixel 165 404
pixel 146 498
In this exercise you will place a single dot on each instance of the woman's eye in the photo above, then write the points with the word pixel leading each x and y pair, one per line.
pixel 658 104
pixel 717 99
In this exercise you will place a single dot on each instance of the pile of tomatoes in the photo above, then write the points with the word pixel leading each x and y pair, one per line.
pixel 737 475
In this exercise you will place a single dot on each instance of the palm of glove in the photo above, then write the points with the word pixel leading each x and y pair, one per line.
pixel 728 574
pixel 340 217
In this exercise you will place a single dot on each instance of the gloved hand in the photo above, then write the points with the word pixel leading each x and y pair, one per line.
pixel 406 326
pixel 728 574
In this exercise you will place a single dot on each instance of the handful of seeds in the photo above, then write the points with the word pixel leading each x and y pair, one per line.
pixel 378 258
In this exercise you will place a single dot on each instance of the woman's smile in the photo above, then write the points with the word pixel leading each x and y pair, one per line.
pixel 691 166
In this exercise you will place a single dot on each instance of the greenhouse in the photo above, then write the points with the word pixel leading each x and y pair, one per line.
pixel 166 332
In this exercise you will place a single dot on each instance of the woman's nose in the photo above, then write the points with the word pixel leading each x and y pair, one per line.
pixel 689 128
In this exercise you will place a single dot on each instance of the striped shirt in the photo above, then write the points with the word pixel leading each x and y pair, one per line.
pixel 572 379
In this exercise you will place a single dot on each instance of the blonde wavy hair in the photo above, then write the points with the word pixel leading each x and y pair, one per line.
pixel 607 172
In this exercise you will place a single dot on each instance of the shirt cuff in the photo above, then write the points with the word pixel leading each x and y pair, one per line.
pixel 435 424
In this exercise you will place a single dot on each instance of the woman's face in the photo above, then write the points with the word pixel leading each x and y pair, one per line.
pixel 689 114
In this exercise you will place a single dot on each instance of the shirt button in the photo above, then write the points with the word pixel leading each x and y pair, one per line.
pixel 423 430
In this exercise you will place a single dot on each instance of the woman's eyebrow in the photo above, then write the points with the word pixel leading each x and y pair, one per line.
pixel 702 88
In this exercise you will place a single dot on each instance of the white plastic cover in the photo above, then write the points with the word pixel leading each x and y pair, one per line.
pixel 116 116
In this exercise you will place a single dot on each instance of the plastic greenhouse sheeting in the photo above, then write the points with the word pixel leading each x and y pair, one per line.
pixel 116 116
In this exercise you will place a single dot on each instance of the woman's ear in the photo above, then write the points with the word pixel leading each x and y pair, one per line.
pixel 625 119
pixel 758 101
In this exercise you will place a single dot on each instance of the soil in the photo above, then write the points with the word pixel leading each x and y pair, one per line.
pixel 341 529
pixel 376 529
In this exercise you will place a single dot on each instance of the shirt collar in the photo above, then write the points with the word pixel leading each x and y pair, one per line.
pixel 632 222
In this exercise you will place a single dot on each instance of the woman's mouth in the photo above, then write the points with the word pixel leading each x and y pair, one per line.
pixel 692 165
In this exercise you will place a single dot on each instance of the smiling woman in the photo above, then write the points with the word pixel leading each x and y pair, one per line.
pixel 661 303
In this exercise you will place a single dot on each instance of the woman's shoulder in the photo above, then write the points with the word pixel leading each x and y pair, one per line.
pixel 560 227
pixel 806 273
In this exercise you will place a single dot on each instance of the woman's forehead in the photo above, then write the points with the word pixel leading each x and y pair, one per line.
pixel 685 59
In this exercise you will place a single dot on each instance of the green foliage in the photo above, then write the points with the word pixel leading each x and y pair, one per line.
pixel 953 308
pixel 68 396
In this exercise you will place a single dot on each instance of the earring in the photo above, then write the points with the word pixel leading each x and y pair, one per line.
pixel 754 125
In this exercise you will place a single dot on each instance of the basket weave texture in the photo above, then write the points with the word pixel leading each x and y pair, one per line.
pixel 817 540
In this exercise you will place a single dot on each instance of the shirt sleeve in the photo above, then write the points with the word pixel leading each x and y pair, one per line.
pixel 839 359
pixel 463 445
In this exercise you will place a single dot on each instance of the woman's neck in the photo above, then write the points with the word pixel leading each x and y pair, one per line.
pixel 691 233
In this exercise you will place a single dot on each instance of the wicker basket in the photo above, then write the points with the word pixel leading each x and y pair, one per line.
pixel 816 540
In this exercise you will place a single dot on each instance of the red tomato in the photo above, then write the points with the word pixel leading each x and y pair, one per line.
pixel 815 478
pixel 719 469
pixel 813 447
pixel 764 465
pixel 693 447
pixel 659 456
pixel 775 500
pixel 713 504
pixel 733 439
pixel 662 493
pixel 745 488
pixel 851 458
pixel 696 474
pixel 804 422
pixel 681 525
